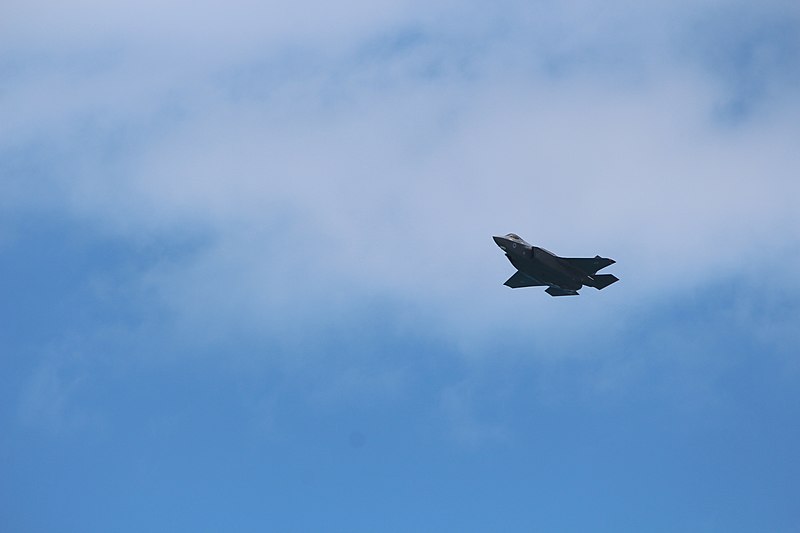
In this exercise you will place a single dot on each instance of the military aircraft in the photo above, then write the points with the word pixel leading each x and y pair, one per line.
pixel 563 276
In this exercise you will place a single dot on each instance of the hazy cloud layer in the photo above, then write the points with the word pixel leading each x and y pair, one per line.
pixel 332 157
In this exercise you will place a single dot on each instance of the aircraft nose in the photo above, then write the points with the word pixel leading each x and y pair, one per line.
pixel 500 241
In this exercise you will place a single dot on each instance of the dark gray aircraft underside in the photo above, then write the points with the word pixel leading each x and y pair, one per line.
pixel 563 276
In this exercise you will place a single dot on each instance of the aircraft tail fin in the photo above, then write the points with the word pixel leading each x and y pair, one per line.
pixel 601 281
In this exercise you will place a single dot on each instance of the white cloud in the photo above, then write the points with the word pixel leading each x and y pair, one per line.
pixel 329 173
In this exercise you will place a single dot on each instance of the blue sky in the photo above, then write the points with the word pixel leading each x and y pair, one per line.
pixel 249 284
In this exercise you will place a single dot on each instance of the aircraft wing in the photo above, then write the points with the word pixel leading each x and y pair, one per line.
pixel 590 265
pixel 522 280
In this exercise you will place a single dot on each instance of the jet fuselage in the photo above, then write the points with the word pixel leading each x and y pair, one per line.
pixel 564 276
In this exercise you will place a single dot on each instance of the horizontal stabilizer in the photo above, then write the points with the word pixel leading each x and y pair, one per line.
pixel 522 280
pixel 558 291
pixel 590 265
pixel 601 281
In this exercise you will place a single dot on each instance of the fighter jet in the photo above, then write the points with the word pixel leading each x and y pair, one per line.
pixel 563 276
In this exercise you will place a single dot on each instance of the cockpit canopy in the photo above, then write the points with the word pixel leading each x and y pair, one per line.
pixel 514 237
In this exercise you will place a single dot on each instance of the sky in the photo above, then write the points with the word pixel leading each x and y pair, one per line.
pixel 247 280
